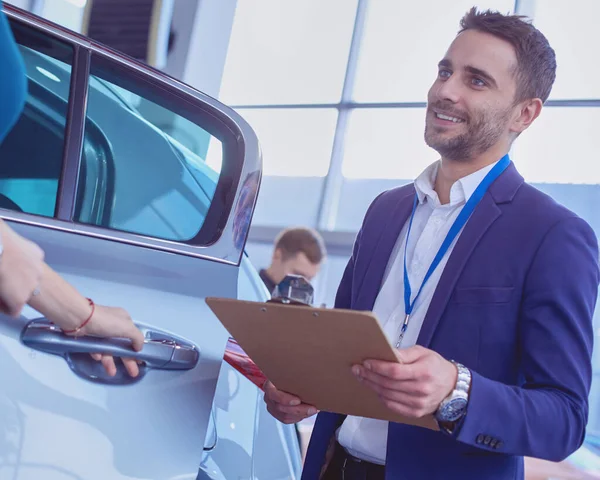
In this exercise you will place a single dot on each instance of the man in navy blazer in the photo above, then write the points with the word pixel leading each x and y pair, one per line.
pixel 486 285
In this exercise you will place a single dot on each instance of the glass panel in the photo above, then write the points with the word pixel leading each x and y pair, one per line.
pixel 386 143
pixel 403 43
pixel 32 152
pixel 144 164
pixel 560 147
pixel 288 52
pixel 571 29
pixel 294 142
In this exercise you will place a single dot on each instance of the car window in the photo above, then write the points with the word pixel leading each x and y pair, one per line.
pixel 32 153
pixel 148 167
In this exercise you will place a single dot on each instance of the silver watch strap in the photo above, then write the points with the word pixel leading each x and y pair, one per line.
pixel 463 381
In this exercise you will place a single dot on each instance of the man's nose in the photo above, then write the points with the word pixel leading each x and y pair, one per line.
pixel 449 90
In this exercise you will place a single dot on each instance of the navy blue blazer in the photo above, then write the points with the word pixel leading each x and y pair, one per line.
pixel 515 305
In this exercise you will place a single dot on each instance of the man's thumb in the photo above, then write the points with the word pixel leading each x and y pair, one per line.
pixel 410 354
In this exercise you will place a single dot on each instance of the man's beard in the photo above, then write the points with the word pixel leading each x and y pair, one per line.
pixel 483 131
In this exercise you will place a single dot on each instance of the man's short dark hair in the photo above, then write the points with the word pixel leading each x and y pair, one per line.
pixel 536 61
pixel 292 241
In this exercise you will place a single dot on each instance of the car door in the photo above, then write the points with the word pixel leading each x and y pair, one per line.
pixel 140 191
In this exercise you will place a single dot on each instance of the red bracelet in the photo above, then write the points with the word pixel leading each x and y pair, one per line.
pixel 87 320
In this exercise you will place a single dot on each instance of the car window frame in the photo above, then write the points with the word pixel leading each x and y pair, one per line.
pixel 72 116
pixel 217 243
pixel 209 119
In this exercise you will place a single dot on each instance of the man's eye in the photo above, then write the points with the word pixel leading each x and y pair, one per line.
pixel 444 74
pixel 478 82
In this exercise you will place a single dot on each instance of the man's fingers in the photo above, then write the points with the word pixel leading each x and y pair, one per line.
pixel 287 414
pixel 377 368
pixel 96 356
pixel 399 396
pixel 411 354
pixel 304 410
pixel 285 407
pixel 379 383
pixel 282 417
pixel 279 396
pixel 381 380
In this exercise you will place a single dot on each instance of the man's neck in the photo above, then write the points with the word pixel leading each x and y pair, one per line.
pixel 274 276
pixel 450 171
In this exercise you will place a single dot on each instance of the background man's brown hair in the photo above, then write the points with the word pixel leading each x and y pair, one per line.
pixel 292 241
pixel 536 61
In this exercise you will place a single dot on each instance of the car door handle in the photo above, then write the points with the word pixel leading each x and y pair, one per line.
pixel 161 350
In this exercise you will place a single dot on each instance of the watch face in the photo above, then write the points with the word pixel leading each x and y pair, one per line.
pixel 453 410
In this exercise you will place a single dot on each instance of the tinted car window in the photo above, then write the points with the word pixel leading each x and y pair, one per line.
pixel 136 175
pixel 32 152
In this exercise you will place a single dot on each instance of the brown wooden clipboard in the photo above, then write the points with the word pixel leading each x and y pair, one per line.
pixel 309 352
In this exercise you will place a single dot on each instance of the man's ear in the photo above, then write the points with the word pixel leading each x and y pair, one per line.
pixel 277 255
pixel 528 111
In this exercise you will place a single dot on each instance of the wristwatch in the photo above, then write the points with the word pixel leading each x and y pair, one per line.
pixel 454 406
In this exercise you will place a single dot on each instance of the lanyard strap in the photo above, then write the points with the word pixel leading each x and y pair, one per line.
pixel 457 226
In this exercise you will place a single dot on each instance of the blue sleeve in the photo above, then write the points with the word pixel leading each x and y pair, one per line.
pixel 13 82
pixel 546 415
pixel 343 298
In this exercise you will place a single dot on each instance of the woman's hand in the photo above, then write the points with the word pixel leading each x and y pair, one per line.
pixel 114 322
pixel 21 265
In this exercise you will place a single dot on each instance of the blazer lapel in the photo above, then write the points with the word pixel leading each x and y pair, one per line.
pixel 383 247
pixel 486 213
pixel 482 218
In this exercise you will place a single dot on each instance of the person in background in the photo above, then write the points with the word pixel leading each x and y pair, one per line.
pixel 297 251
pixel 24 276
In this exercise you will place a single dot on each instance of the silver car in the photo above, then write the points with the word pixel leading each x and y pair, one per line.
pixel 140 190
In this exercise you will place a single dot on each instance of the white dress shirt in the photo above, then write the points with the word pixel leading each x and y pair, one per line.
pixel 366 438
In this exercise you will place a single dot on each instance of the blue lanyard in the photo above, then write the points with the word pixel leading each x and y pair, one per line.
pixel 457 226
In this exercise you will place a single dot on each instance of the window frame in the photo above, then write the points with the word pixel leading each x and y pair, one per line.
pixel 215 240
pixel 65 181
pixel 210 120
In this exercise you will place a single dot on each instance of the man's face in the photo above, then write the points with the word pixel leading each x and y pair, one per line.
pixel 471 103
pixel 298 264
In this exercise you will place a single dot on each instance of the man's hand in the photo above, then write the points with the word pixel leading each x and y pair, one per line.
pixel 21 266
pixel 285 407
pixel 415 387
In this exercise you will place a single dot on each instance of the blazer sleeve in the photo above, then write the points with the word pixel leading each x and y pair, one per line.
pixel 546 415
pixel 344 295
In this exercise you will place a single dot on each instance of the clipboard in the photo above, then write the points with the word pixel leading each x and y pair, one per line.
pixel 309 352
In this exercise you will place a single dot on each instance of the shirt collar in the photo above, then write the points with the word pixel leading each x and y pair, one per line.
pixel 460 192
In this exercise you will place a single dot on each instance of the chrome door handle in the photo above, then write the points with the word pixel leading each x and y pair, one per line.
pixel 161 351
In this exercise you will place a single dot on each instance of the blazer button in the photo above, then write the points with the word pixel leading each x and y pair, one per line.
pixel 487 440
pixel 480 438
pixel 499 445
pixel 493 442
